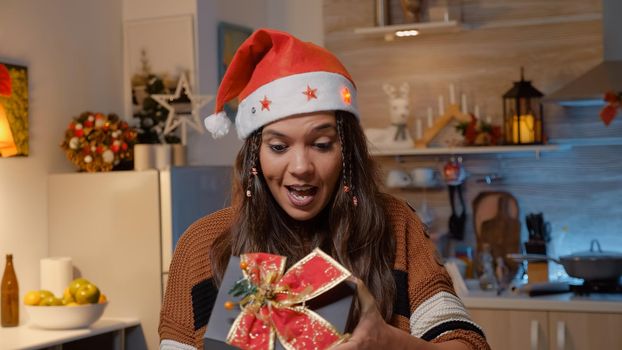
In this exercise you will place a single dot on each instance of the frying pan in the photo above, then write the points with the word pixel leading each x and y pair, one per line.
pixel 594 264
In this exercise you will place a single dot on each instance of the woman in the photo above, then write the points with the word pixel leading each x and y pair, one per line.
pixel 304 179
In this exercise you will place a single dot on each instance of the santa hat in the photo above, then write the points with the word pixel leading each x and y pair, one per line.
pixel 275 75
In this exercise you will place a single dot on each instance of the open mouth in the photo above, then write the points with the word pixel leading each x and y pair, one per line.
pixel 302 195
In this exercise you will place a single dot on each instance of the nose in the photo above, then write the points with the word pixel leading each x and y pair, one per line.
pixel 301 164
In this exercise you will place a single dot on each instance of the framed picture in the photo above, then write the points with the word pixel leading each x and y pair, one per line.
pixel 230 37
pixel 13 110
pixel 157 52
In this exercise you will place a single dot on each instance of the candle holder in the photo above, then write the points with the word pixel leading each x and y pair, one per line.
pixel 522 114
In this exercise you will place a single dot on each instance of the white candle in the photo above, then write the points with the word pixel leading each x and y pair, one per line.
pixel 430 119
pixel 452 94
pixel 476 111
pixel 465 108
pixel 418 129
pixel 441 105
pixel 488 120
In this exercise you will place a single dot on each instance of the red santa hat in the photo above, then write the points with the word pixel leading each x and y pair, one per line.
pixel 275 75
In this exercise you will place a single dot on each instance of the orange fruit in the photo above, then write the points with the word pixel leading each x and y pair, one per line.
pixel 102 298
pixel 32 298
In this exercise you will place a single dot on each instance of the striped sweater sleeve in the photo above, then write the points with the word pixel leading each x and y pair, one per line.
pixel 190 291
pixel 426 305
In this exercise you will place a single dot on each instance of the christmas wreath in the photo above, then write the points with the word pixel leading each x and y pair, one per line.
pixel 98 142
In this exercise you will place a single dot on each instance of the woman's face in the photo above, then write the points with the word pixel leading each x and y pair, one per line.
pixel 300 159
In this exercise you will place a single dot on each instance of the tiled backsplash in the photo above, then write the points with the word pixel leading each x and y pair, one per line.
pixel 578 190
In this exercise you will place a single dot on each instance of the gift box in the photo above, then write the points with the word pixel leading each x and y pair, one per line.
pixel 259 305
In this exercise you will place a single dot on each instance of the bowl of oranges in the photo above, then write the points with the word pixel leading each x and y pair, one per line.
pixel 81 304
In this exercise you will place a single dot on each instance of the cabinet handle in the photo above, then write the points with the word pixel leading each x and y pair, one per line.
pixel 534 334
pixel 561 335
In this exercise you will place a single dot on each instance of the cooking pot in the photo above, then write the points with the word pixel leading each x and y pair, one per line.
pixel 594 264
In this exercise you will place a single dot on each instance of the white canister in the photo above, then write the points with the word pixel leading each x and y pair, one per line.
pixel 152 156
pixel 163 156
pixel 55 274
pixel 143 156
pixel 179 154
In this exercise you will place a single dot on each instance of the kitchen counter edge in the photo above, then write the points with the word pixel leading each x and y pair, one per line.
pixel 569 302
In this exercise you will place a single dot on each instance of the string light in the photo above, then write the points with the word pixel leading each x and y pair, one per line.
pixel 405 33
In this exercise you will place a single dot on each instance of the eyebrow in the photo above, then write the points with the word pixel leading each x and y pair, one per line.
pixel 321 127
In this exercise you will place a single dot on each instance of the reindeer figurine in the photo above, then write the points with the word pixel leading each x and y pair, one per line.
pixel 396 135
pixel 413 9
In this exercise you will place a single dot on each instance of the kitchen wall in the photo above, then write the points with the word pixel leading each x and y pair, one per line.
pixel 74 53
pixel 300 17
pixel 579 189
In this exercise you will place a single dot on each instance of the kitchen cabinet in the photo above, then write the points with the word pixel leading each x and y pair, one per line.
pixel 582 330
pixel 552 330
pixel 104 334
pixel 120 229
pixel 513 329
pixel 109 224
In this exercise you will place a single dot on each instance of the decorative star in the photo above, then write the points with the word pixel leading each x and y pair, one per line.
pixel 265 103
pixel 179 116
pixel 346 96
pixel 310 93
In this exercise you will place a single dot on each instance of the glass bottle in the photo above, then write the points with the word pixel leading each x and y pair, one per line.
pixel 10 295
pixel 487 280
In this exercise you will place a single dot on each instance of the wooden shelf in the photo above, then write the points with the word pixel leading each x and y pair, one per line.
pixel 512 23
pixel 469 150
pixel 455 26
pixel 423 28
pixel 590 141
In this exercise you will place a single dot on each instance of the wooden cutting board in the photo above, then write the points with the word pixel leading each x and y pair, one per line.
pixel 502 232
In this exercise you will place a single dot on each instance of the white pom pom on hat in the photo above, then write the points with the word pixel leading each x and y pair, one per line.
pixel 218 124
pixel 275 75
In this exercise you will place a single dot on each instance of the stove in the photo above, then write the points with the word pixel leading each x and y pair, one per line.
pixel 597 286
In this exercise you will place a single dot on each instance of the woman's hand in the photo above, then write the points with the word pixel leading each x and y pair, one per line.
pixel 372 332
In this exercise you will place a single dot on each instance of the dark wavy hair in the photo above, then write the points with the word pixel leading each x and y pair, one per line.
pixel 359 237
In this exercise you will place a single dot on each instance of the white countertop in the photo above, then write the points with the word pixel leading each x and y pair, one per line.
pixel 27 337
pixel 595 302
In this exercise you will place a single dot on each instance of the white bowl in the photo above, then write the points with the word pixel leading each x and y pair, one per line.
pixel 65 317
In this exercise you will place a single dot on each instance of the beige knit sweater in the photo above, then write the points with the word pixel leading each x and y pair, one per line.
pixel 425 305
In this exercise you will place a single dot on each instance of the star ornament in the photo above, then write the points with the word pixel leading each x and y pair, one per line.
pixel 310 93
pixel 346 95
pixel 180 112
pixel 265 103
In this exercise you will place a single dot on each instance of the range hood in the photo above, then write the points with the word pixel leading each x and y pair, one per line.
pixel 589 88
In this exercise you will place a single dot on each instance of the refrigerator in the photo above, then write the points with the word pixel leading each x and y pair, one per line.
pixel 120 229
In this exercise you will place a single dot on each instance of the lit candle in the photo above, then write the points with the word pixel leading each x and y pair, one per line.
pixel 418 129
pixel 526 125
pixel 452 94
pixel 441 105
pixel 465 108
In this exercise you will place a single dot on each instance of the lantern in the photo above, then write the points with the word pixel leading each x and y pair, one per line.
pixel 522 114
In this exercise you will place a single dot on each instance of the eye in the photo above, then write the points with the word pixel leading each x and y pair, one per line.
pixel 323 146
pixel 278 148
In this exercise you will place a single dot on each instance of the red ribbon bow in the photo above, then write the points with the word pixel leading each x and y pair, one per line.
pixel 277 305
